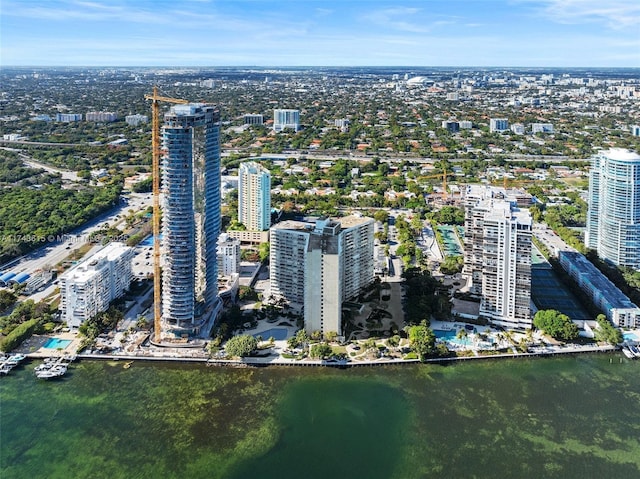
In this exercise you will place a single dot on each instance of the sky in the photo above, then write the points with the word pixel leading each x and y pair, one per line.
pixel 536 33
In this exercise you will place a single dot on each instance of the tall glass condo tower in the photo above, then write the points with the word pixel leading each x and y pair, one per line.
pixel 191 217
pixel 613 221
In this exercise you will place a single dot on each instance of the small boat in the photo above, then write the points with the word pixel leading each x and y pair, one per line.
pixel 54 372
pixel 628 353
pixel 635 350
pixel 127 365
pixel 15 358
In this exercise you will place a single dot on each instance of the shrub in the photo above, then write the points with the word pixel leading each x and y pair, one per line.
pixel 19 334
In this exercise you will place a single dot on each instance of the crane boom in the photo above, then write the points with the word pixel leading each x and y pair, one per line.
pixel 155 167
pixel 442 175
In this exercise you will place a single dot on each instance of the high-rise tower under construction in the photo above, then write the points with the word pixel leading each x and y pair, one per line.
pixel 190 217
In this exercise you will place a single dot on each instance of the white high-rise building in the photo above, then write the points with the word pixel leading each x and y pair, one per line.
pixel 286 119
pixel 228 255
pixel 498 125
pixel 320 266
pixel 613 220
pixel 89 287
pixel 254 196
pixel 498 257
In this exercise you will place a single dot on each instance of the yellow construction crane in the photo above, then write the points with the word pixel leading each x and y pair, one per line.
pixel 155 167
pixel 442 175
pixel 514 182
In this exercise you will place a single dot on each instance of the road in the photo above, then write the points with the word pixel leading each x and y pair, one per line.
pixel 60 247
pixel 65 174
pixel 551 240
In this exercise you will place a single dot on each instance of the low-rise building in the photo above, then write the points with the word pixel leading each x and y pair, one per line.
pixel 135 120
pixel 614 303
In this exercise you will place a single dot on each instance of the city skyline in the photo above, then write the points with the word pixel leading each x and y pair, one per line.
pixel 553 33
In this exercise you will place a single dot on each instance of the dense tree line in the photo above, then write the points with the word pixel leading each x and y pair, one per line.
pixel 606 333
pixel 12 169
pixel 28 216
pixel 101 322
pixel 26 318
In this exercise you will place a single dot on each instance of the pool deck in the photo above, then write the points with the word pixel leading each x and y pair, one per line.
pixel 33 347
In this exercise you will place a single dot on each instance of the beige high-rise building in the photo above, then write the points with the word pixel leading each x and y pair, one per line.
pixel 321 265
pixel 254 196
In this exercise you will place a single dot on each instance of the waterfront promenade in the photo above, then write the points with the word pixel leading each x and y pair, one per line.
pixel 277 360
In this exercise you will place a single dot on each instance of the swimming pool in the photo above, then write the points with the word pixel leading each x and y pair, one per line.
pixel 450 336
pixel 631 336
pixel 55 343
pixel 276 333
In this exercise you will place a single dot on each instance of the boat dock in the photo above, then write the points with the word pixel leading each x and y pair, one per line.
pixel 8 362
pixel 53 368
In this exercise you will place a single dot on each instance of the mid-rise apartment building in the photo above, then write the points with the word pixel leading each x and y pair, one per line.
pixel 101 116
pixel 283 119
pixel 253 119
pixel 541 128
pixel 89 287
pixel 68 117
pixel 228 255
pixel 135 120
pixel 498 125
pixel 605 295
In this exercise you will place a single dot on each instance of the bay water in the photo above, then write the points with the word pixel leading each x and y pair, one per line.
pixel 571 417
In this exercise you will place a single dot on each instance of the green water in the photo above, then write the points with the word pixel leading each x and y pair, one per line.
pixel 545 418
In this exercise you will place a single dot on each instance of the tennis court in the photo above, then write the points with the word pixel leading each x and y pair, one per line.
pixel 547 292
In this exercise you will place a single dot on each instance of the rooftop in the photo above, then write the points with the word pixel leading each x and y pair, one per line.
pixel 614 296
pixel 621 154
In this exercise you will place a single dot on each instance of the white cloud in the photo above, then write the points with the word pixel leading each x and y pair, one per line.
pixel 323 12
pixel 395 18
pixel 82 10
pixel 615 14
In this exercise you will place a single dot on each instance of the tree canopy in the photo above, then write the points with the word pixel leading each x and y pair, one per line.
pixel 422 340
pixel 241 346
pixel 606 332
pixel 320 351
pixel 555 324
